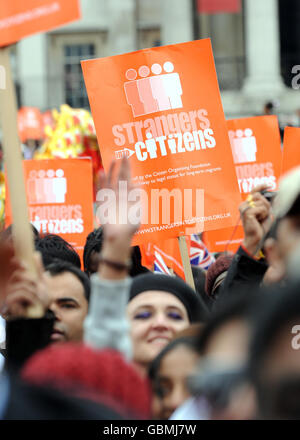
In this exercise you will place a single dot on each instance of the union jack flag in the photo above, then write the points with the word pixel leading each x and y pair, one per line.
pixel 159 264
pixel 199 255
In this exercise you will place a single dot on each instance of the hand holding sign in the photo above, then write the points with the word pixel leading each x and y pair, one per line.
pixel 256 219
pixel 22 294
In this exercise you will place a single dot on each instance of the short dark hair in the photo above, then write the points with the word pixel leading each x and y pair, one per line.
pixel 270 105
pixel 58 267
pixel 53 247
pixel 94 243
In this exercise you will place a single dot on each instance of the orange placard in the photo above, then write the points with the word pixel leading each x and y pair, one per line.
pixel 30 123
pixel 256 150
pixel 58 201
pixel 291 149
pixel 21 18
pixel 161 108
pixel 224 240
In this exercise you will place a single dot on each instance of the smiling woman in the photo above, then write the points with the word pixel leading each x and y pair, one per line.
pixel 160 306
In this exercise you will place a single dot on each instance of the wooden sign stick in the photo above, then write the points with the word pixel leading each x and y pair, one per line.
pixel 22 232
pixel 186 262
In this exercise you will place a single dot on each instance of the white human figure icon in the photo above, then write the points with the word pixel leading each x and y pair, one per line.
pixel 42 189
pixel 48 183
pixel 158 89
pixel 172 85
pixel 31 119
pixel 243 145
pixel 231 135
pixel 32 192
pixel 59 186
pixel 237 146
pixel 249 145
pixel 35 185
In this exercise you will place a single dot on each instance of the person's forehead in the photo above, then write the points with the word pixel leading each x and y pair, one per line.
pixel 65 284
pixel 229 342
pixel 156 298
pixel 178 359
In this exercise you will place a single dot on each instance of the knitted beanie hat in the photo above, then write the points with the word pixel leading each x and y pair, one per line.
pixel 102 375
pixel 214 272
pixel 192 302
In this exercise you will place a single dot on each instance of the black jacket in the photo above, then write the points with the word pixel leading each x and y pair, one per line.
pixel 244 273
pixel 24 337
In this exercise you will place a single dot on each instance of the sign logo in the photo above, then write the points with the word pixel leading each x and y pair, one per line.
pixel 151 94
pixel 46 187
pixel 243 145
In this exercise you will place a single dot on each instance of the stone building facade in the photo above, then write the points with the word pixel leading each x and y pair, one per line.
pixel 249 50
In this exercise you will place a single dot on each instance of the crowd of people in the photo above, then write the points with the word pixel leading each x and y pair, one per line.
pixel 115 341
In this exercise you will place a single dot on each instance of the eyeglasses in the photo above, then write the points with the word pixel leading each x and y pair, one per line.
pixel 216 384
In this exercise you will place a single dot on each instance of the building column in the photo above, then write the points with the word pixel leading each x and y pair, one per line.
pixel 32 72
pixel 122 32
pixel 263 81
pixel 177 21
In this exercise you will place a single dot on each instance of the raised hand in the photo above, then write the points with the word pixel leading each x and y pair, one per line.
pixel 256 218
pixel 119 213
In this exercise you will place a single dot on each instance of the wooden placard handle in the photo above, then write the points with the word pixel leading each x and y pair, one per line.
pixel 21 230
pixel 186 262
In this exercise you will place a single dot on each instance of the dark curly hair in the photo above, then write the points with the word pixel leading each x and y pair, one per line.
pixel 52 246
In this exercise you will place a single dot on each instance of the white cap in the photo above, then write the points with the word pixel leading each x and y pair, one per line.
pixel 288 193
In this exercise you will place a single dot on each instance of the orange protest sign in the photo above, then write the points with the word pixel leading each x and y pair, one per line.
pixel 256 150
pixel 291 149
pixel 161 108
pixel 228 239
pixel 19 18
pixel 59 202
pixel 30 123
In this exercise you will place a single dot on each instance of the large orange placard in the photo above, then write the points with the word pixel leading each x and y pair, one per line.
pixel 256 149
pixel 60 198
pixel 291 149
pixel 21 18
pixel 161 108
